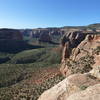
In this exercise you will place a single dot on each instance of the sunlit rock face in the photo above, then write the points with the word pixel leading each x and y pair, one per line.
pixel 81 58
pixel 74 38
pixel 69 86
pixel 87 46
pixel 70 41
pixel 91 93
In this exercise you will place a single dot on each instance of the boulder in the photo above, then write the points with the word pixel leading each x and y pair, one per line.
pixel 67 87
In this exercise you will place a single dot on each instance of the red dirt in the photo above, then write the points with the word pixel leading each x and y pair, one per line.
pixel 43 74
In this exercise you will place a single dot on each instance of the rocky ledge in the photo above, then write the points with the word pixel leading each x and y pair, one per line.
pixel 81 67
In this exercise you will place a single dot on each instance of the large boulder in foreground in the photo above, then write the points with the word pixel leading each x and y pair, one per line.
pixel 91 93
pixel 73 84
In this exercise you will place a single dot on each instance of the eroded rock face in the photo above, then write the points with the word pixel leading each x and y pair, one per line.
pixel 51 31
pixel 81 58
pixel 69 41
pixel 10 34
pixel 86 47
pixel 69 86
pixel 85 84
pixel 74 38
pixel 45 37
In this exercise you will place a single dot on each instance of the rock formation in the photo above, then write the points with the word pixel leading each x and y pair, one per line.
pixel 87 46
pixel 69 86
pixel 36 33
pixel 81 56
pixel 11 41
pixel 52 31
pixel 74 38
pixel 81 67
pixel 71 40
pixel 10 34
pixel 45 37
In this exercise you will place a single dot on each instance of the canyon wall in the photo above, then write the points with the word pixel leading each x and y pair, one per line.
pixel 80 66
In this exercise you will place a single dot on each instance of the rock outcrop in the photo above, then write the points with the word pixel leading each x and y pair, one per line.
pixel 74 38
pixel 69 86
pixel 11 41
pixel 91 93
pixel 86 47
pixel 81 59
pixel 52 31
pixel 35 33
pixel 81 67
pixel 71 40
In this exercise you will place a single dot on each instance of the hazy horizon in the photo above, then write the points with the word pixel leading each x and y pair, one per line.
pixel 22 14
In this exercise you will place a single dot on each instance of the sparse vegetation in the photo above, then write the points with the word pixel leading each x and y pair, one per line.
pixel 82 66
pixel 26 91
pixel 22 66
pixel 83 87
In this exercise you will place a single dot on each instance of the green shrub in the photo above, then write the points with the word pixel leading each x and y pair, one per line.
pixel 11 74
pixel 27 56
pixel 44 55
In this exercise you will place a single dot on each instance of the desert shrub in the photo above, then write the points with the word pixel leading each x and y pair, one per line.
pixel 27 56
pixel 5 57
pixel 11 74
pixel 82 66
pixel 97 50
pixel 83 87
pixel 28 92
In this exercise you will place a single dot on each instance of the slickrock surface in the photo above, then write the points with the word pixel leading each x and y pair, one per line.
pixel 91 93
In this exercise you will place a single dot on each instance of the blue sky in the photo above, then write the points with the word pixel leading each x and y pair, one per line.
pixel 48 13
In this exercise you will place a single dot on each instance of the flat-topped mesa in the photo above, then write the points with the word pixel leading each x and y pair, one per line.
pixel 51 31
pixel 10 34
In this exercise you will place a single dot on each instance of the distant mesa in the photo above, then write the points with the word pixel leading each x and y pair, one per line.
pixel 45 37
pixel 10 34
pixel 11 41
pixel 35 33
